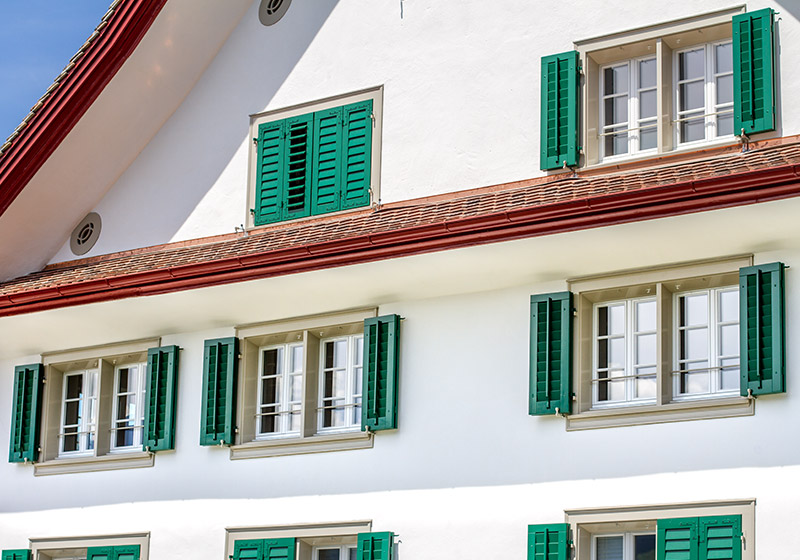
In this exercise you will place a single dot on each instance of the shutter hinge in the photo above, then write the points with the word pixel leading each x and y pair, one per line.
pixel 255 141
pixel 252 211
pixel 372 116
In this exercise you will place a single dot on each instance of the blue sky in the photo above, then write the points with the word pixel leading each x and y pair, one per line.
pixel 37 39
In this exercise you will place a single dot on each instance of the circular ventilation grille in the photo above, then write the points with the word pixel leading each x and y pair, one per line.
pixel 271 11
pixel 85 234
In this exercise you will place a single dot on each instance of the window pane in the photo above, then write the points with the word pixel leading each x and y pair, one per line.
pixel 646 349
pixel 124 438
pixel 696 310
pixel 725 89
pixel 644 547
pixel 616 144
pixel 729 374
pixel 725 125
pixel 723 55
pixel 296 392
pixel 353 554
pixel 269 423
pixel 696 344
pixel 123 408
pixel 693 130
pixel 359 357
pixel 616 357
pixel 269 390
pixel 695 382
pixel 71 441
pixel 272 359
pixel 617 319
pixel 123 380
pixel 609 548
pixel 729 306
pixel 647 104
pixel 74 386
pixel 692 96
pixel 340 353
pixel 729 340
pixel 328 554
pixel 648 138
pixel 691 64
pixel 616 110
pixel 646 316
pixel 329 354
pixel 647 73
pixel 646 386
pixel 72 413
pixel 615 80
pixel 297 358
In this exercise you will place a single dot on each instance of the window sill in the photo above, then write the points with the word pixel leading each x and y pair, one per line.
pixel 109 462
pixel 653 414
pixel 298 446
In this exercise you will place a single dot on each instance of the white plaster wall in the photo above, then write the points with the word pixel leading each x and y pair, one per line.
pixel 461 106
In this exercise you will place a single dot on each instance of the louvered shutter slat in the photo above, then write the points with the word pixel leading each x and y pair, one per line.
pixel 548 542
pixel 160 396
pixel 380 373
pixel 270 172
pixel 559 114
pixel 26 413
pixel 551 354
pixel 357 162
pixel 762 329
pixel 753 82
pixel 328 157
pixel 220 358
pixel 297 183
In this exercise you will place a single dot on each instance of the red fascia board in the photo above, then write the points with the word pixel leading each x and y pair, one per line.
pixel 62 110
pixel 604 210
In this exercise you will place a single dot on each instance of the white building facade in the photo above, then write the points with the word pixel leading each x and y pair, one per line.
pixel 406 279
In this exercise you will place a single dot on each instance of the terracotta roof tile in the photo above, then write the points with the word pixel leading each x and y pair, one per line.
pixel 433 210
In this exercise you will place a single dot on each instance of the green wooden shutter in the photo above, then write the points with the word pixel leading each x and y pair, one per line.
pixel 375 546
pixel 18 554
pixel 26 413
pixel 549 542
pixel 297 183
pixel 248 549
pixel 676 539
pixel 220 359
pixel 559 119
pixel 279 549
pixel 161 397
pixel 270 172
pixel 328 153
pixel 762 329
pixel 551 354
pixel 380 368
pixel 357 162
pixel 129 552
pixel 720 537
pixel 753 85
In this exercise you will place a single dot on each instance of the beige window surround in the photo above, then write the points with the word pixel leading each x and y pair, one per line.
pixel 52 548
pixel 103 358
pixel 586 523
pixel 307 535
pixel 656 40
pixel 663 283
pixel 309 330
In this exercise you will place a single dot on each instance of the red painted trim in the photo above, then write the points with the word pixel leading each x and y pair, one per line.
pixel 648 203
pixel 74 95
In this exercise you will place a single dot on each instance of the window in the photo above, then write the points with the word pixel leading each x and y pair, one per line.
pixel 101 408
pixel 331 541
pixel 118 547
pixel 301 385
pixel 671 86
pixel 315 158
pixel 659 345
pixel 701 531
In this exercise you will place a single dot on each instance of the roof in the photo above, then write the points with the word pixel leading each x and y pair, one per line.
pixel 72 93
pixel 713 179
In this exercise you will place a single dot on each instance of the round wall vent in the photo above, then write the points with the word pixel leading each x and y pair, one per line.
pixel 270 12
pixel 85 234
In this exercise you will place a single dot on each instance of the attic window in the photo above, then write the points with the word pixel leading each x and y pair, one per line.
pixel 270 12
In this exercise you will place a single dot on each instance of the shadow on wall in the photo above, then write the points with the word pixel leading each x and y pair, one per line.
pixel 203 135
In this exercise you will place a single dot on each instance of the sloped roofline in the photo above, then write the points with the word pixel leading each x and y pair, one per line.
pixel 73 92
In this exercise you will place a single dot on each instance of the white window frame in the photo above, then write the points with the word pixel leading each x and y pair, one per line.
pixel 711 109
pixel 139 408
pixel 629 369
pixel 634 124
pixel 87 412
pixel 661 283
pixel 627 542
pixel 715 357
pixel 285 405
pixel 344 551
pixel 352 400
